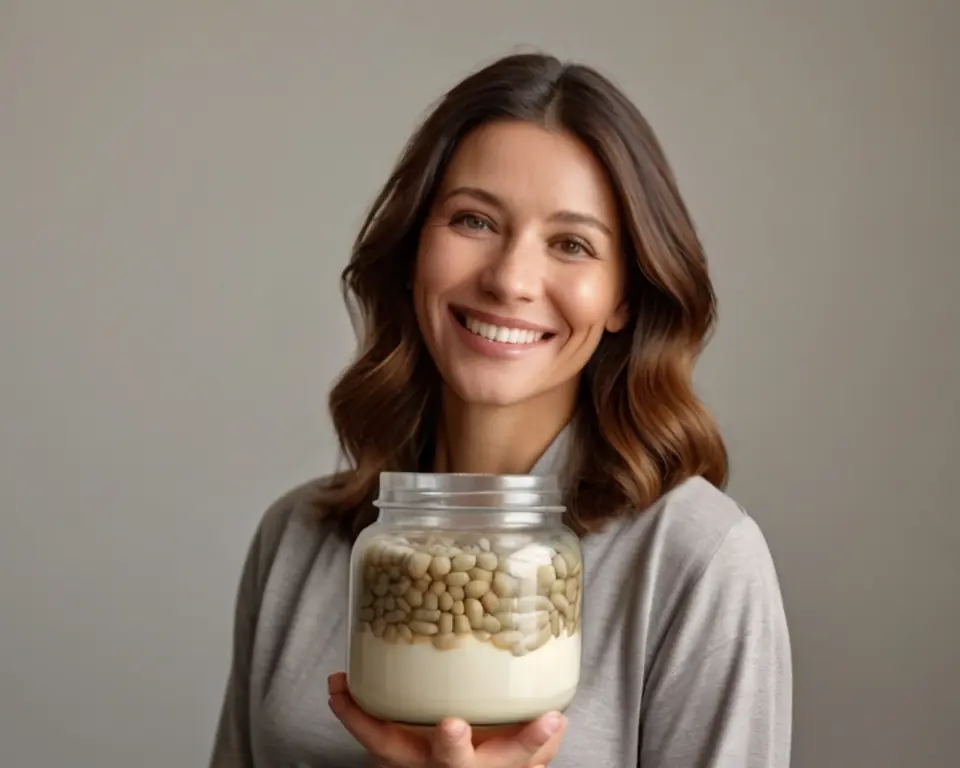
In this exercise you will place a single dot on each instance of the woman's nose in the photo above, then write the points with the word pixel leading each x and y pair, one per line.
pixel 513 273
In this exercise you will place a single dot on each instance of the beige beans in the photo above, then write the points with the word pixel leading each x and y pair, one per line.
pixel 422 628
pixel 440 566
pixel 473 609
pixel 480 574
pixel 441 591
pixel 445 602
pixel 463 562
pixel 506 639
pixel 476 589
pixel 419 564
pixel 457 579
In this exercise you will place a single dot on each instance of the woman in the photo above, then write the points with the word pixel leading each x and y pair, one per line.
pixel 533 296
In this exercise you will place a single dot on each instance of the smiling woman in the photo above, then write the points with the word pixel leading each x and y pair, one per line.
pixel 532 296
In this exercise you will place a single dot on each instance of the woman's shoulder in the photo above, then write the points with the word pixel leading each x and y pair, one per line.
pixel 695 536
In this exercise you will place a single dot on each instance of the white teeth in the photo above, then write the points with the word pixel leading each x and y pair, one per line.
pixel 502 334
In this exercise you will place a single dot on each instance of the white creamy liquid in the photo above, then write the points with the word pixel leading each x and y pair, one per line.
pixel 484 685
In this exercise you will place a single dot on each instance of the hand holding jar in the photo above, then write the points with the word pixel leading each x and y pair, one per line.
pixel 452 743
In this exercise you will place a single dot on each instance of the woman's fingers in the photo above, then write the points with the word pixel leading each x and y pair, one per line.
pixel 385 741
pixel 537 743
pixel 452 744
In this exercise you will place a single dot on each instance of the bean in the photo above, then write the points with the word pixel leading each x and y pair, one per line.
pixel 403 605
pixel 571 590
pixel 456 593
pixel 482 635
pixel 562 604
pixel 446 641
pixel 476 589
pixel 506 639
pixel 491 602
pixel 457 609
pixel 445 601
pixel 422 584
pixel 474 612
pixel 418 564
pixel 390 634
pixel 430 601
pixel 457 579
pixel 366 598
pixel 424 614
pixel 413 597
pixel 463 562
pixel 400 587
pixel 490 624
pixel 367 614
pixel 484 544
pixel 404 632
pixel 445 624
pixel 389 603
pixel 440 566
pixel 423 628
pixel 546 575
pixel 379 626
pixel 488 561
pixel 365 626
pixel 461 625
pixel 380 589
pixel 438 588
pixel 561 566
pixel 395 617
pixel 481 574
pixel 557 586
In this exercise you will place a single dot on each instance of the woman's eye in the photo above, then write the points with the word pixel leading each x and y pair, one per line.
pixel 469 221
pixel 573 248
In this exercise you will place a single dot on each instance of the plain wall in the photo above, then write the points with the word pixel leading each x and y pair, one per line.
pixel 180 183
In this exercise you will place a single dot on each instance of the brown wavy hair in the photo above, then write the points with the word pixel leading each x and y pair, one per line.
pixel 640 429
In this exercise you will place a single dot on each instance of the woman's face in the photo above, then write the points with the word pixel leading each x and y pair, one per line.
pixel 519 269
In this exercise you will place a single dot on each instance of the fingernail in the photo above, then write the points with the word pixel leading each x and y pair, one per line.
pixel 553 722
pixel 456 729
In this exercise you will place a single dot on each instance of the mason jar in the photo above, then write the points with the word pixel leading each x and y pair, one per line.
pixel 465 601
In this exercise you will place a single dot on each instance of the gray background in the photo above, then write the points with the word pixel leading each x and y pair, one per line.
pixel 179 186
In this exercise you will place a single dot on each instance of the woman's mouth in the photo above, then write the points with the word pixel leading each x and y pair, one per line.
pixel 504 334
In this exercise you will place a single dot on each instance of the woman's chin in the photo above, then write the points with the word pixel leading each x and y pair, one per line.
pixel 476 393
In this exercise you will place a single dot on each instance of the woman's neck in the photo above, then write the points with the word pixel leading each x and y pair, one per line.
pixel 498 440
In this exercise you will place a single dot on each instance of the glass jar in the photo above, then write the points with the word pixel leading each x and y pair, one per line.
pixel 465 600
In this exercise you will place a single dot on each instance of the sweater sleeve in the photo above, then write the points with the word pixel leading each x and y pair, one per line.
pixel 231 748
pixel 719 689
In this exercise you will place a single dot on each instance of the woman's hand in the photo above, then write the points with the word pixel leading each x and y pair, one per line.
pixel 451 744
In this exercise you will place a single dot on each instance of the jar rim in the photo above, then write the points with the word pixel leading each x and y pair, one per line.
pixel 466 490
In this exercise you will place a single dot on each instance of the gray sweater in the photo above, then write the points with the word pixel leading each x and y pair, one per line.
pixel 686 654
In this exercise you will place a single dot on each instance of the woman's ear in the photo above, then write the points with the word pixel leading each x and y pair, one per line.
pixel 618 318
